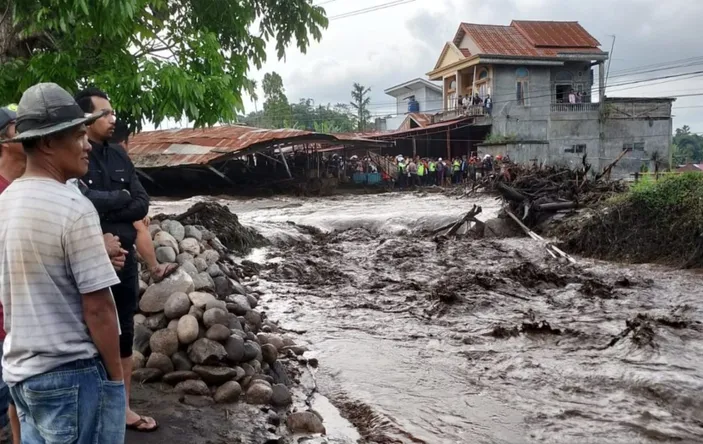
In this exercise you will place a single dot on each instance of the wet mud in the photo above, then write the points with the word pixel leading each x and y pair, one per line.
pixel 477 340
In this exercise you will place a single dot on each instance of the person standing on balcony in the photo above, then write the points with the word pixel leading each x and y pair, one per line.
pixel 488 104
pixel 572 97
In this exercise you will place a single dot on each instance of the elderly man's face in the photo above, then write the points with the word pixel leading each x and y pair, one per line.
pixel 69 151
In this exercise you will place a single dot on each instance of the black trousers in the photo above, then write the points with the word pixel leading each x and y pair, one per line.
pixel 126 295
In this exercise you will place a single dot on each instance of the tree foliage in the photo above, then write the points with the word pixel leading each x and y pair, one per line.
pixel 361 100
pixel 156 59
pixel 280 113
pixel 687 147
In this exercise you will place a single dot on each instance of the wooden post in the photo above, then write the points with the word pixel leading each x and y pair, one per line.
pixel 414 147
pixel 449 144
pixel 473 86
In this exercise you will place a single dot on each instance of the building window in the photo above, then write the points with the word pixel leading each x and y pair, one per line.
pixel 483 74
pixel 452 85
pixel 576 149
pixel 522 86
pixel 627 147
pixel 564 77
pixel 638 146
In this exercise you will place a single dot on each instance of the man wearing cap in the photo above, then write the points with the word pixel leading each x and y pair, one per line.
pixel 61 355
pixel 12 164
pixel 110 169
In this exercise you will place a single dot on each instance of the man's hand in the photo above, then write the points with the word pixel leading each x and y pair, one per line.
pixel 117 254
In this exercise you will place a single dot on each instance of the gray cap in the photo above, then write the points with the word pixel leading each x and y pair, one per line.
pixel 7 116
pixel 46 109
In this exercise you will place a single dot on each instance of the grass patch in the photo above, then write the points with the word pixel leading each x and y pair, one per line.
pixel 655 221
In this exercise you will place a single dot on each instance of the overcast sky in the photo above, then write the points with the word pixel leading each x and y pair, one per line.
pixel 386 47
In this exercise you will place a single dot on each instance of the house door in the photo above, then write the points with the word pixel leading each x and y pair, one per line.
pixel 562 93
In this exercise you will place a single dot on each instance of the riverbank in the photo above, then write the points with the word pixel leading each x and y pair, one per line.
pixel 654 222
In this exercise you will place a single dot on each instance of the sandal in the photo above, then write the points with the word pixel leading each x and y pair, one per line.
pixel 137 425
pixel 162 272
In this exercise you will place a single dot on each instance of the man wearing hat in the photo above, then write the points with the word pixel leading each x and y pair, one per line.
pixel 12 164
pixel 61 355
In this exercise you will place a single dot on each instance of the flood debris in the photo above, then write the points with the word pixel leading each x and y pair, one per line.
pixel 528 328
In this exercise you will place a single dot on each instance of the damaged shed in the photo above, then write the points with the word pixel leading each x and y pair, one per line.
pixel 205 160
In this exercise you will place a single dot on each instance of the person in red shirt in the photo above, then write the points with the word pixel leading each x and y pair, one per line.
pixel 12 164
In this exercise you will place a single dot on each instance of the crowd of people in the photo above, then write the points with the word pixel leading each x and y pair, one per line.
pixel 440 172
pixel 465 103
pixel 72 225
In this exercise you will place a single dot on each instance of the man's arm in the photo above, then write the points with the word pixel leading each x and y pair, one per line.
pixel 138 207
pixel 93 274
pixel 100 316
pixel 105 201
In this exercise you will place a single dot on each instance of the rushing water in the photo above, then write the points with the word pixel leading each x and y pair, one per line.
pixel 477 341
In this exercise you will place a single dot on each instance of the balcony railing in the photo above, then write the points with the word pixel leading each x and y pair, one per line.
pixel 574 107
pixel 471 111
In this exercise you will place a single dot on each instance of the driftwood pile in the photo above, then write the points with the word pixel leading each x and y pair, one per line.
pixel 535 193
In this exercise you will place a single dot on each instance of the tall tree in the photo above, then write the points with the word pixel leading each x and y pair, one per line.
pixel 687 147
pixel 157 59
pixel 361 100
pixel 277 110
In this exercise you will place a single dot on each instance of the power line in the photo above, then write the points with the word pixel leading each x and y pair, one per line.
pixel 325 3
pixel 370 9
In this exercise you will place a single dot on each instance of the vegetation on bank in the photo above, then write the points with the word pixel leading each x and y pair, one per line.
pixel 655 221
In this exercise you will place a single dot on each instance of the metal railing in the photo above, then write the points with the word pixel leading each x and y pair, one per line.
pixel 574 107
pixel 471 111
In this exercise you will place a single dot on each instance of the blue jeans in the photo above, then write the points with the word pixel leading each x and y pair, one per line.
pixel 5 397
pixel 74 403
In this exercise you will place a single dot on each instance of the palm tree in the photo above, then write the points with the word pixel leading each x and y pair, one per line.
pixel 361 102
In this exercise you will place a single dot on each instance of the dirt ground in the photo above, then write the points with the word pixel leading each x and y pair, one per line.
pixel 182 424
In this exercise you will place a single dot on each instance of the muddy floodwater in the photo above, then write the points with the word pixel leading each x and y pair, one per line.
pixel 475 341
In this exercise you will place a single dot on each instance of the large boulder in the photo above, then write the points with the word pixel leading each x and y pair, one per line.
pixel 211 256
pixel 215 316
pixel 164 342
pixel 228 392
pixel 267 338
pixel 251 350
pixel 215 375
pixel 189 268
pixel 176 377
pixel 205 352
pixel 193 387
pixel 269 353
pixel 138 360
pixel 183 258
pixel 218 332
pixel 200 264
pixel 281 396
pixel 191 231
pixel 216 304
pixel 181 362
pixel 176 230
pixel 146 375
pixel 253 318
pixel 161 362
pixel 223 286
pixel 155 297
pixel 156 322
pixel 142 336
pixel 241 304
pixel 235 349
pixel 165 255
pixel 164 239
pixel 177 305
pixel 188 329
pixel 305 422
pixel 200 300
pixel 190 246
pixel 214 271
pixel 203 281
pixel 259 394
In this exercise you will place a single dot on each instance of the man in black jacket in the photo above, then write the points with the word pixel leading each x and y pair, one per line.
pixel 111 169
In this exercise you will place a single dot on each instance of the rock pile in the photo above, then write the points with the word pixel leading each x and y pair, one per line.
pixel 199 331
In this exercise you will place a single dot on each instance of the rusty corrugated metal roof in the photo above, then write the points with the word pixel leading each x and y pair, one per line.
pixel 530 38
pixel 181 147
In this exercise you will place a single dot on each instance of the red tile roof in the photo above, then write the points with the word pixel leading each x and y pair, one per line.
pixel 529 38
pixel 465 51
pixel 555 34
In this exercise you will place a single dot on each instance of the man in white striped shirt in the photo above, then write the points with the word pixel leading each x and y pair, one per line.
pixel 61 355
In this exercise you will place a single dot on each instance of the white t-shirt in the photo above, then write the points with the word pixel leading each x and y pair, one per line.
pixel 51 253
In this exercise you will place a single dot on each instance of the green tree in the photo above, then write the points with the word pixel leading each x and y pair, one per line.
pixel 157 59
pixel 687 147
pixel 361 100
pixel 277 110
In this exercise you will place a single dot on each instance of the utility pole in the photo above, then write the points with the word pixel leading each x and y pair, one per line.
pixel 610 59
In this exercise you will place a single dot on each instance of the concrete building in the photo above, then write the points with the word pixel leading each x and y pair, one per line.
pixel 417 97
pixel 545 105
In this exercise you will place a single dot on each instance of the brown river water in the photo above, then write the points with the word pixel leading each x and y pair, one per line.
pixel 475 341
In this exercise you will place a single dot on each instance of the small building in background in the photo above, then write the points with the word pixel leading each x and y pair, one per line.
pixel 418 96
pixel 695 167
